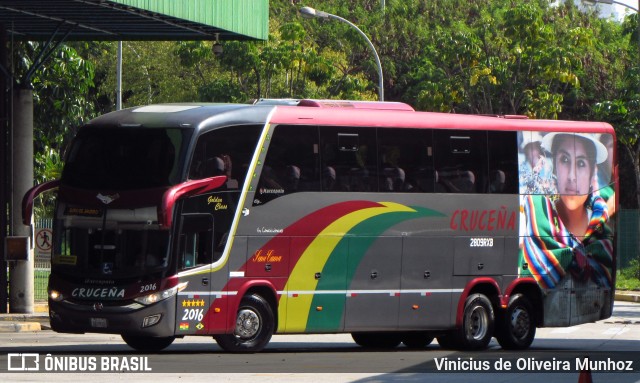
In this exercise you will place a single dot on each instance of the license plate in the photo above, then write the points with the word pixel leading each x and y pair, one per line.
pixel 99 322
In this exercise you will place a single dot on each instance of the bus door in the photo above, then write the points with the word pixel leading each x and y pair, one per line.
pixel 373 294
pixel 194 257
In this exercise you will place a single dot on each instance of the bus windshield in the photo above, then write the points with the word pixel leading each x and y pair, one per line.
pixel 121 253
pixel 125 158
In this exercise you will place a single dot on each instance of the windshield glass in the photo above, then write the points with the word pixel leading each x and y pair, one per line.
pixel 125 158
pixel 111 253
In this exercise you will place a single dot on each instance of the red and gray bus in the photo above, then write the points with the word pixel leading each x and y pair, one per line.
pixel 240 221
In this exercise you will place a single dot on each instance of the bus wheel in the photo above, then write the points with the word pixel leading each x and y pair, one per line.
pixel 417 339
pixel 147 343
pixel 447 341
pixel 477 323
pixel 254 326
pixel 376 339
pixel 517 328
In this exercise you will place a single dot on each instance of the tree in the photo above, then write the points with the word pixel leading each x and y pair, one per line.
pixel 61 87
pixel 622 108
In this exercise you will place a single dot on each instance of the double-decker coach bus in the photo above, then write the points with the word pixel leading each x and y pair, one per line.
pixel 239 221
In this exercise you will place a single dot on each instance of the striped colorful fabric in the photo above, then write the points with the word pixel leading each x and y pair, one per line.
pixel 550 251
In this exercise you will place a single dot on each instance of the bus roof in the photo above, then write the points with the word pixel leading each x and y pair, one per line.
pixel 394 118
pixel 328 112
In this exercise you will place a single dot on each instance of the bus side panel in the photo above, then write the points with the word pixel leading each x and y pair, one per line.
pixel 268 257
pixel 217 320
pixel 327 307
pixel 480 255
pixel 373 296
pixel 314 296
pixel 427 268
pixel 193 304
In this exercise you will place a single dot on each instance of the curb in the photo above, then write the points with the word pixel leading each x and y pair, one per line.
pixel 628 297
pixel 19 327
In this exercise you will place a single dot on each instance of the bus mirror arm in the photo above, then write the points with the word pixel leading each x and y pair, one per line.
pixel 186 189
pixel 30 196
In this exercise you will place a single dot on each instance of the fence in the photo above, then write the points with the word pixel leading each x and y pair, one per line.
pixel 42 260
pixel 628 226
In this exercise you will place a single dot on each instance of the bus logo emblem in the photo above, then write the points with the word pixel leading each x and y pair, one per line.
pixel 98 306
pixel 107 199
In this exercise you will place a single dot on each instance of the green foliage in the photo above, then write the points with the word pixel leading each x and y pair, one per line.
pixel 488 56
pixel 60 89
pixel 629 277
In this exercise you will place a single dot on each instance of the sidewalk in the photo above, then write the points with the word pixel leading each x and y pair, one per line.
pixel 39 320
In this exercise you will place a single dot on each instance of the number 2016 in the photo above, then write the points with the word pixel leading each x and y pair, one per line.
pixel 193 314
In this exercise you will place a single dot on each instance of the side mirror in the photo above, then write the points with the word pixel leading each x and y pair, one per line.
pixel 185 189
pixel 30 196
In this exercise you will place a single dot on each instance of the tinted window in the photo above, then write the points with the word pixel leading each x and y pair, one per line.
pixel 461 161
pixel 225 151
pixel 406 160
pixel 196 241
pixel 125 158
pixel 503 162
pixel 292 163
pixel 349 159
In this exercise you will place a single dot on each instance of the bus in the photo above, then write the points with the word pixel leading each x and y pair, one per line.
pixel 240 221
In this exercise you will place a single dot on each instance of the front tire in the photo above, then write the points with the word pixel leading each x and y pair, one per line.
pixel 478 322
pixel 255 325
pixel 147 343
pixel 517 329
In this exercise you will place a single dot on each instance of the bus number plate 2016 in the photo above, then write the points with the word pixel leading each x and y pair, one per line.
pixel 481 242
pixel 99 322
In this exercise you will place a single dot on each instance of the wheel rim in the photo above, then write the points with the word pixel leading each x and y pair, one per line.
pixel 477 324
pixel 247 324
pixel 520 323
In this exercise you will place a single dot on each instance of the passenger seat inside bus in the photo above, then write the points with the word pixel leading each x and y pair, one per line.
pixel 394 178
pixel 456 181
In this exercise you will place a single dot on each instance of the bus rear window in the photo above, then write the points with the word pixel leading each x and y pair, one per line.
pixel 125 158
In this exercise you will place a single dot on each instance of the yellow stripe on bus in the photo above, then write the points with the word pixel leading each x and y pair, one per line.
pixel 313 260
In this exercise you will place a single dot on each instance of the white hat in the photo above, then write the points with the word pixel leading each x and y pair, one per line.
pixel 530 138
pixel 601 150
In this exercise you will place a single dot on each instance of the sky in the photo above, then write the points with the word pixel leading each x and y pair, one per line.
pixel 621 9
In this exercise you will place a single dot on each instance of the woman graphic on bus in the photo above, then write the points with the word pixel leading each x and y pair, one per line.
pixel 535 168
pixel 567 235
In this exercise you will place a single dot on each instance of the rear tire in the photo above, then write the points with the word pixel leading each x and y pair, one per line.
pixel 377 339
pixel 517 329
pixel 447 341
pixel 147 343
pixel 417 339
pixel 478 321
pixel 254 327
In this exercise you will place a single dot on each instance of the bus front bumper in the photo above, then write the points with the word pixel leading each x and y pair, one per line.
pixel 157 320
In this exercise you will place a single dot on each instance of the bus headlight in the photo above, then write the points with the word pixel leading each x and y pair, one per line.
pixel 55 295
pixel 160 295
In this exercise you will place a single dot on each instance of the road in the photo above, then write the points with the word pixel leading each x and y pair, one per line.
pixel 614 343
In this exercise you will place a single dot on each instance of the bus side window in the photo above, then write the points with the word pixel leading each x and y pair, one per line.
pixel 291 164
pixel 225 151
pixel 460 161
pixel 503 162
pixel 405 161
pixel 196 241
pixel 349 159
